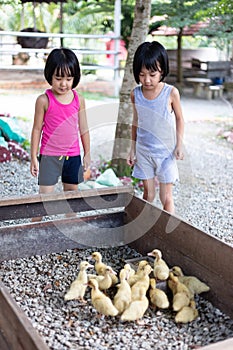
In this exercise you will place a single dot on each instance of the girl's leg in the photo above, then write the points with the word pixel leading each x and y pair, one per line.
pixel 43 190
pixel 69 187
pixel 149 190
pixel 166 197
pixel 46 189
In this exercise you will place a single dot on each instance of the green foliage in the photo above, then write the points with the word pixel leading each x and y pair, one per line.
pixel 26 145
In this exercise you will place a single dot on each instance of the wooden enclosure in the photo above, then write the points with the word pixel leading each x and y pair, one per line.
pixel 113 217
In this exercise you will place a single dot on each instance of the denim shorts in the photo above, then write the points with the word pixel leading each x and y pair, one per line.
pixel 52 167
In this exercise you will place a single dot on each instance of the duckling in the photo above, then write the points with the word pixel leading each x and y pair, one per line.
pixel 194 285
pixel 142 285
pixel 99 265
pixel 141 265
pixel 78 286
pixel 157 296
pixel 181 294
pixel 139 273
pixel 176 286
pixel 130 270
pixel 179 301
pixel 161 269
pixel 105 281
pixel 136 309
pixel 187 313
pixel 101 302
pixel 122 298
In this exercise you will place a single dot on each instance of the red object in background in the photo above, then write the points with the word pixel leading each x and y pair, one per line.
pixel 110 45
pixel 5 155
pixel 18 151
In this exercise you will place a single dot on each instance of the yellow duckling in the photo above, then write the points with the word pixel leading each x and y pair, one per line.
pixel 157 296
pixel 194 285
pixel 142 285
pixel 105 281
pixel 101 302
pixel 161 269
pixel 187 313
pixel 122 298
pixel 129 269
pixel 139 273
pixel 99 265
pixel 179 301
pixel 78 286
pixel 136 310
pixel 181 294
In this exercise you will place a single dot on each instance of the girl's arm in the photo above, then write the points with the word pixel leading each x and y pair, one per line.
pixel 40 109
pixel 176 106
pixel 84 133
pixel 131 156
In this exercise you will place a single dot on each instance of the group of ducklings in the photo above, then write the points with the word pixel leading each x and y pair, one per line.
pixel 136 290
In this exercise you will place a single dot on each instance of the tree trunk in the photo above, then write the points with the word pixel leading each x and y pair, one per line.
pixel 123 128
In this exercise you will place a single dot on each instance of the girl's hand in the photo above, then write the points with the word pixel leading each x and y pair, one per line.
pixel 86 162
pixel 131 159
pixel 34 167
pixel 179 153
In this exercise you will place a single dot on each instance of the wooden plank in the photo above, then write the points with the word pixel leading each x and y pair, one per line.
pixel 46 237
pixel 196 252
pixel 65 202
pixel 17 332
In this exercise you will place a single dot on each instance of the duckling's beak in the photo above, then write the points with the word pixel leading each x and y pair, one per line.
pixel 90 266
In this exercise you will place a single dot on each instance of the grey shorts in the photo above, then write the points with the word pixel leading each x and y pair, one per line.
pixel 147 167
pixel 52 167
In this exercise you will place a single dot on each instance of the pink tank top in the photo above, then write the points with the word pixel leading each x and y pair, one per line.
pixel 60 132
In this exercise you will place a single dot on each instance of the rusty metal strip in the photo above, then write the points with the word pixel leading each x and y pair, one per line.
pixel 17 332
pixel 65 202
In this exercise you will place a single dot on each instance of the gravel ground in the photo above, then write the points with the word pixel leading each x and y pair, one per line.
pixel 203 198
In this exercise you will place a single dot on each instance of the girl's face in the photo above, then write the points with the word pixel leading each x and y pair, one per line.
pixel 149 78
pixel 62 85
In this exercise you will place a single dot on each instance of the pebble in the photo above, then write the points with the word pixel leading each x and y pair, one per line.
pixel 38 284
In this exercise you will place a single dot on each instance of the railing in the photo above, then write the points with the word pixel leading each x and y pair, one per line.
pixel 10 48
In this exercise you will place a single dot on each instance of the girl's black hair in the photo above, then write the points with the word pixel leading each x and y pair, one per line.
pixel 153 56
pixel 62 62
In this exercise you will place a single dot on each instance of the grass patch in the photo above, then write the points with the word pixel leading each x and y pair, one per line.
pixel 95 96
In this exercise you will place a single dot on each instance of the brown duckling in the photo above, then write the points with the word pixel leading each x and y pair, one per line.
pixel 78 286
pixel 161 269
pixel 158 297
pixel 101 302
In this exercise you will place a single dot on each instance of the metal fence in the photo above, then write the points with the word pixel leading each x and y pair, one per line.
pixel 90 50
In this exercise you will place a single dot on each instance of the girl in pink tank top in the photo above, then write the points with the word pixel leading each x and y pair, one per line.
pixel 59 123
